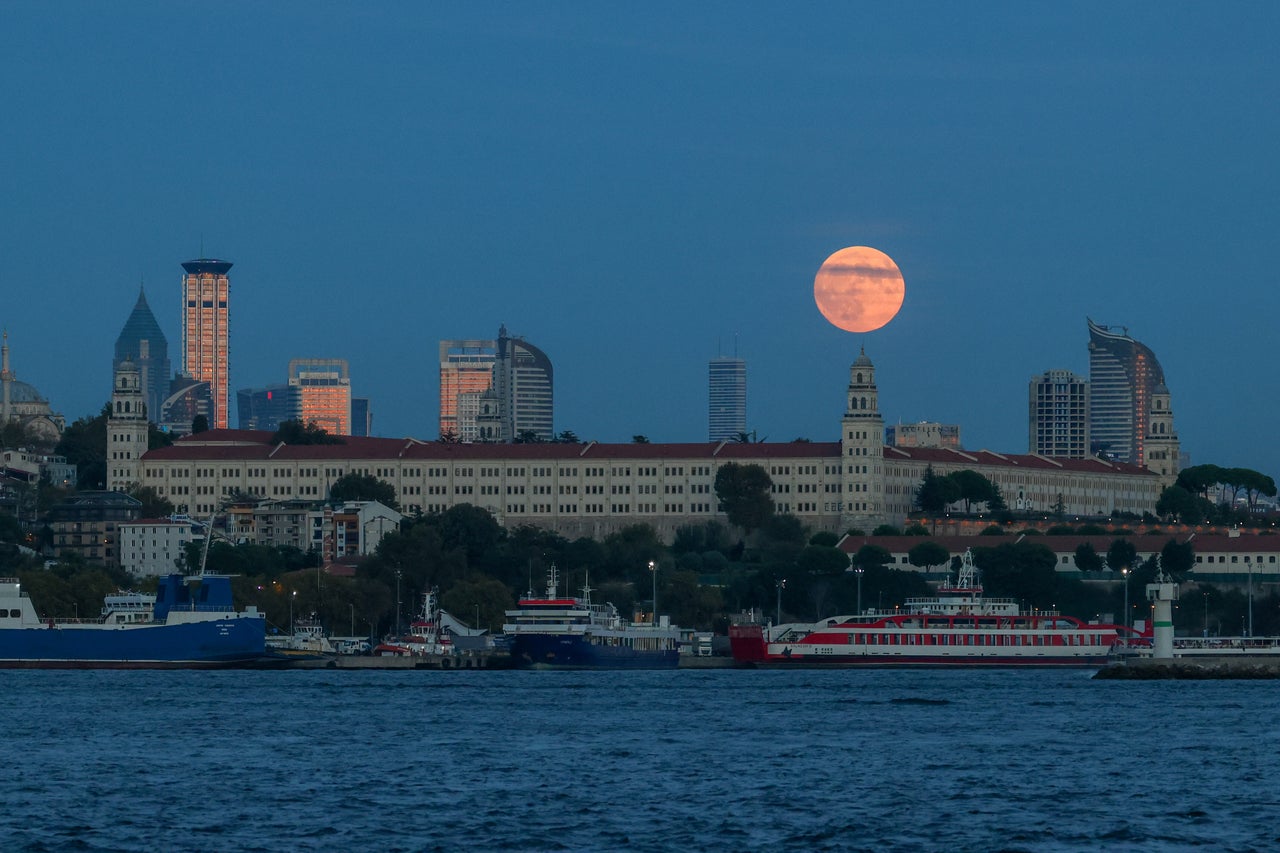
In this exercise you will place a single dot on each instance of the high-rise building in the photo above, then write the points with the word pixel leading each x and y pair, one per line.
pixel 726 398
pixel 324 397
pixel 1058 403
pixel 500 390
pixel 466 372
pixel 266 408
pixel 142 343
pixel 206 339
pixel 187 400
pixel 361 417
pixel 1123 377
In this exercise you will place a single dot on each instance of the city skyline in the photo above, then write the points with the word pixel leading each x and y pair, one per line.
pixel 649 184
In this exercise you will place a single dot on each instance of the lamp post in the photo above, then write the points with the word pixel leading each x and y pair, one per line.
pixel 653 571
pixel 477 617
pixel 858 571
pixel 1206 613
pixel 1249 565
pixel 1125 573
pixel 397 602
pixel 291 600
pixel 353 617
pixel 777 615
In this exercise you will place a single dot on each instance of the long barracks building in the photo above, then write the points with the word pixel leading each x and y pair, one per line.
pixel 594 489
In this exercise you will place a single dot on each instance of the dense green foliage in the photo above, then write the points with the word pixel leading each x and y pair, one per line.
pixel 363 487
pixel 295 432
pixel 745 493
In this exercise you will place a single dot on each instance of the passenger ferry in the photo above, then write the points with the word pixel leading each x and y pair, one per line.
pixel 958 627
pixel 570 632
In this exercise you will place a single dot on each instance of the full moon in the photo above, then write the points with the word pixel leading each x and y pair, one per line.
pixel 858 289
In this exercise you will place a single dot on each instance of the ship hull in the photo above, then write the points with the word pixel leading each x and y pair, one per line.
pixel 232 642
pixel 574 651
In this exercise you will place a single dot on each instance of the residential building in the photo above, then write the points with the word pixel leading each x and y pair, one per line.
pixel 496 391
pixel 1058 418
pixel 266 408
pixel 923 434
pixel 596 489
pixel 21 403
pixel 206 332
pixel 1123 376
pixel 324 393
pixel 151 547
pixel 726 398
pixel 87 524
pixel 127 428
pixel 354 528
pixel 142 342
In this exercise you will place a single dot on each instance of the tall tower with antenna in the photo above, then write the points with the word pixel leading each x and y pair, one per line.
pixel 726 396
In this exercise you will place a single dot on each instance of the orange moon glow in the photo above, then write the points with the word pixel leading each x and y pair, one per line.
pixel 858 289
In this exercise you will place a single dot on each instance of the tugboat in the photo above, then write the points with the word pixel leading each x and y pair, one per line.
pixel 426 637
pixel 573 633
pixel 958 627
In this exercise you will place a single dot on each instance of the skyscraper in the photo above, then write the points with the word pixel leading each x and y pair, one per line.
pixel 266 408
pixel 361 417
pixel 466 372
pixel 1058 403
pixel 206 340
pixel 324 393
pixel 495 390
pixel 727 398
pixel 1123 377
pixel 142 343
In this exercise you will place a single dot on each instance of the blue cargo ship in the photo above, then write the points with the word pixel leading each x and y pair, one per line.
pixel 182 626
pixel 573 633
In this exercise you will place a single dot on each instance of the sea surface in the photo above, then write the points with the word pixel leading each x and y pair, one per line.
pixel 596 761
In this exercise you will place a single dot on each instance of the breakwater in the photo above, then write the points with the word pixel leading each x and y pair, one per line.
pixel 1197 669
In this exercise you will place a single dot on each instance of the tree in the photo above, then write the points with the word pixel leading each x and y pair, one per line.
pixel 1178 558
pixel 199 424
pixel 568 436
pixel 492 597
pixel 871 556
pixel 928 553
pixel 1177 502
pixel 448 436
pixel 1087 559
pixel 1121 555
pixel 84 444
pixel 296 433
pixel 972 486
pixel 363 487
pixel 1059 508
pixel 639 439
pixel 886 530
pixel 935 493
pixel 745 493
pixel 153 505
pixel 527 436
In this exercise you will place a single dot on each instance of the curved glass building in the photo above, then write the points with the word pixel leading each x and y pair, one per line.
pixel 1123 376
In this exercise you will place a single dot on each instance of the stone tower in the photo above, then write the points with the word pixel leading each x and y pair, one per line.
pixel 1161 448
pixel 126 428
pixel 862 450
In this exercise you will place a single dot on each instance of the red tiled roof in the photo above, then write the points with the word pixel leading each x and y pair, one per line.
pixel 943 455
pixel 1144 543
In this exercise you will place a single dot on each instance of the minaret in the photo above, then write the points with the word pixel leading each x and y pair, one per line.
pixel 6 380
pixel 1161 447
pixel 126 429
pixel 862 450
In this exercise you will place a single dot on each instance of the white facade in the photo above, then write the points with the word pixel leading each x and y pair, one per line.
pixel 151 547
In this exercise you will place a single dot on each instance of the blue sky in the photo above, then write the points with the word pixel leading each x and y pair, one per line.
pixel 630 186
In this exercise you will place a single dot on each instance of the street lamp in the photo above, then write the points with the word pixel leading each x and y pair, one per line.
pixel 777 616
pixel 858 571
pixel 1206 613
pixel 477 617
pixel 1249 565
pixel 353 617
pixel 397 602
pixel 291 600
pixel 1125 573
pixel 653 570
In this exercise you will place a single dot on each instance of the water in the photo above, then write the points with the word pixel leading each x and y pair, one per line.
pixel 686 760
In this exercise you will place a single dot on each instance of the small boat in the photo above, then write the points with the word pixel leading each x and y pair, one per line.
pixel 426 635
pixel 189 622
pixel 307 641
pixel 573 633
pixel 958 627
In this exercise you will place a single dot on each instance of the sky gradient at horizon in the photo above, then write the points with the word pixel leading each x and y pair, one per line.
pixel 635 188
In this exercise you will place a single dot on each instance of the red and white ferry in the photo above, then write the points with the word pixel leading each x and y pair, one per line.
pixel 959 627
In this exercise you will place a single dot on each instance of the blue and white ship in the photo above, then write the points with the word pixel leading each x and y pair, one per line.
pixel 570 633
pixel 181 626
